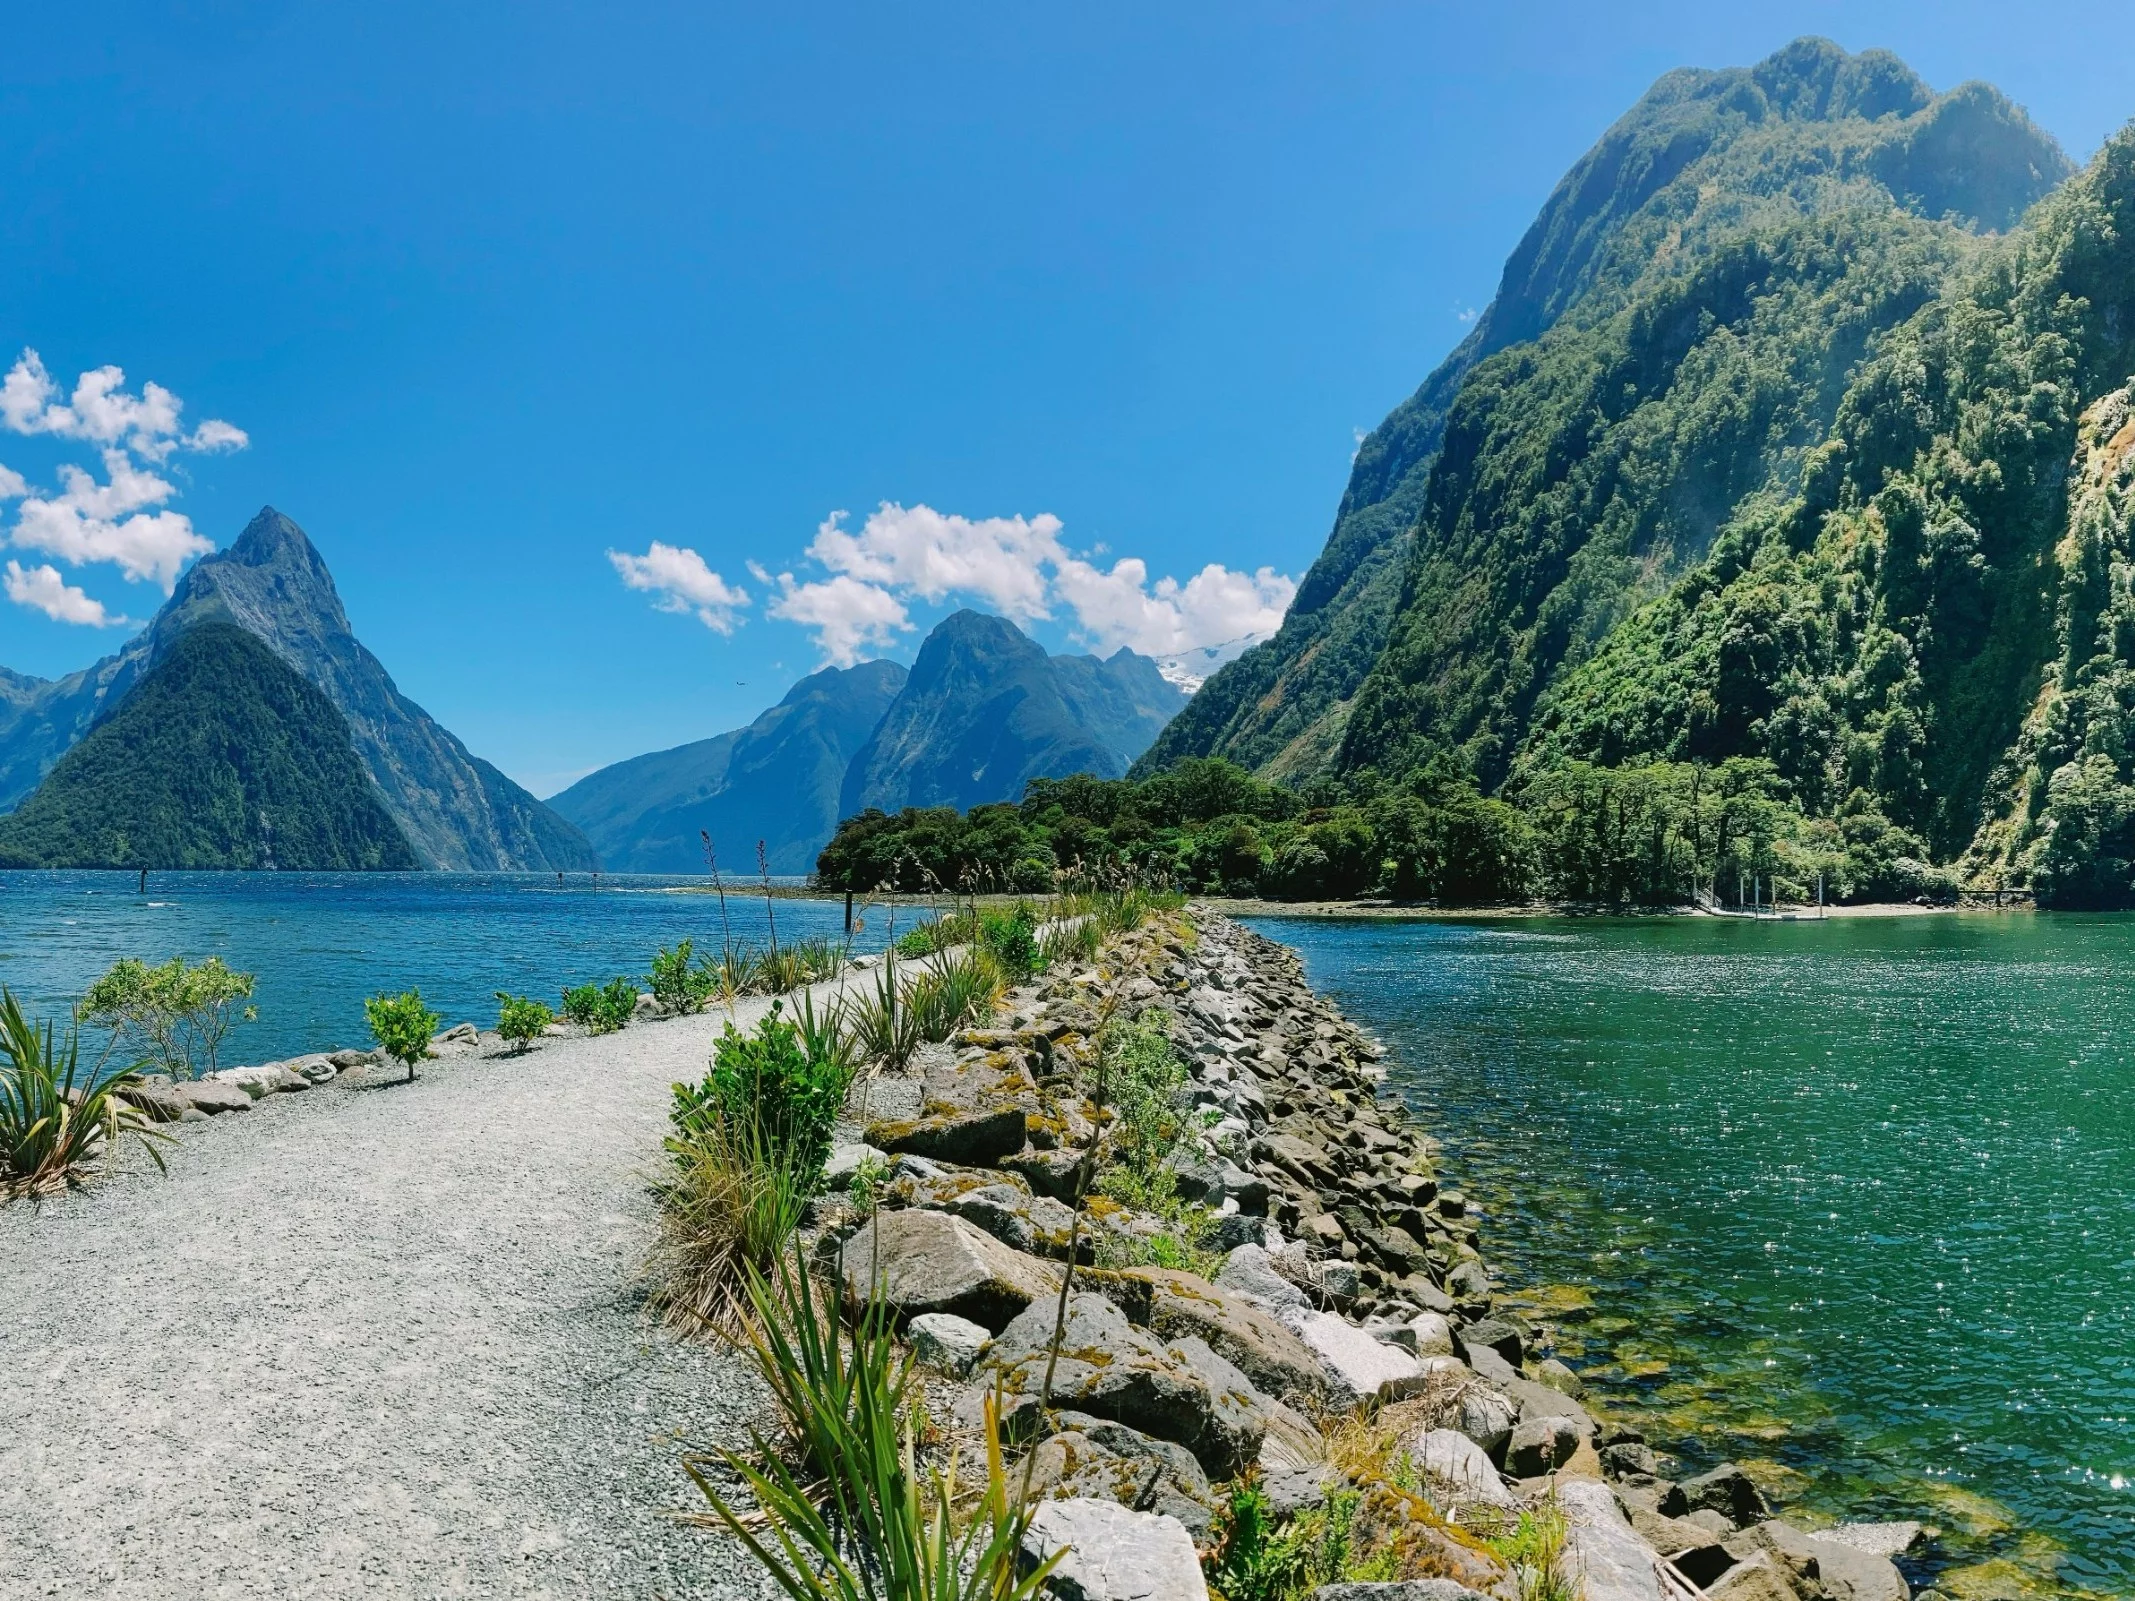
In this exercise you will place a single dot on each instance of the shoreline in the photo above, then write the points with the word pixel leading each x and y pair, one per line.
pixel 1353 1278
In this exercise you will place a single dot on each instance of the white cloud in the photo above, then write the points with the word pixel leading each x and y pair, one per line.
pixel 42 589
pixel 684 583
pixel 931 554
pixel 115 520
pixel 848 616
pixel 1215 606
pixel 102 412
pixel 1017 566
pixel 108 522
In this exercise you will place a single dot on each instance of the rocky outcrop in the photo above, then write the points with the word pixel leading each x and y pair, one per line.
pixel 1113 1554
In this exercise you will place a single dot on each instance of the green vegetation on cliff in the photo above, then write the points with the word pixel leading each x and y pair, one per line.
pixel 221 757
pixel 1705 161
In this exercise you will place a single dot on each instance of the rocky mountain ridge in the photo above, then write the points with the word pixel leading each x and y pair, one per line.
pixel 458 812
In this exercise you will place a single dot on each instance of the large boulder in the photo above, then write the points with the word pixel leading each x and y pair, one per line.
pixel 1108 1368
pixel 1729 1491
pixel 162 1101
pixel 268 1078
pixel 213 1098
pixel 1614 1563
pixel 1357 1366
pixel 935 1262
pixel 1262 1348
pixel 1852 1574
pixel 1451 1459
pixel 1250 1272
pixel 1540 1445
pixel 1113 1554
pixel 947 1343
pixel 972 1111
pixel 1096 1457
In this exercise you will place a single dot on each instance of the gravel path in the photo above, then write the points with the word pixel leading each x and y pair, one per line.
pixel 368 1341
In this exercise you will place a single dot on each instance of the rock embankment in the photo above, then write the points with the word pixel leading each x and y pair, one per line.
pixel 1343 1339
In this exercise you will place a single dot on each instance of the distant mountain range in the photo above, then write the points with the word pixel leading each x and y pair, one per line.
pixel 776 780
pixel 983 711
pixel 450 809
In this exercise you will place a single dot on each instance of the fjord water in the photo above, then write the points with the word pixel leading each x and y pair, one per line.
pixel 1853 1200
pixel 321 942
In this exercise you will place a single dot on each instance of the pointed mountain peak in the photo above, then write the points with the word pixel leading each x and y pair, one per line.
pixel 270 538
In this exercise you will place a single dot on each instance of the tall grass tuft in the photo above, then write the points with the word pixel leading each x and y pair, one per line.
pixel 728 1204
pixel 55 1117
pixel 861 1519
pixel 1065 943
pixel 957 988
pixel 879 1023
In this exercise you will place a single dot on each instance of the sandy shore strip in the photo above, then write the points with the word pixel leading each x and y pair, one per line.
pixel 372 1340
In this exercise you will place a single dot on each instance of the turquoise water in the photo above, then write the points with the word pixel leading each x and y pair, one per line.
pixel 320 942
pixel 1855 1200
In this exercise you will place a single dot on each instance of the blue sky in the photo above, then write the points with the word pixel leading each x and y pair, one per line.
pixel 494 291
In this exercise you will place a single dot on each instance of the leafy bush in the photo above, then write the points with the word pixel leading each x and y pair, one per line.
pixel 1011 939
pixel 938 934
pixel 54 1117
pixel 522 1020
pixel 680 982
pixel 601 1008
pixel 1142 1077
pixel 173 1015
pixel 776 1091
pixel 1067 942
pixel 402 1026
pixel 860 1519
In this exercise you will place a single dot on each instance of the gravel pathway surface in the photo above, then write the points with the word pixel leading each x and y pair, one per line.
pixel 369 1341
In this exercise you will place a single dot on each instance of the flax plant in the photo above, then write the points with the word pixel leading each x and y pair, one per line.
pixel 55 1117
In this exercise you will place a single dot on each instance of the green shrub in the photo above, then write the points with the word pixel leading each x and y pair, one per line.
pixel 174 1016
pixel 680 981
pixel 1067 943
pixel 879 1022
pixel 777 1091
pixel 1011 939
pixel 955 990
pixel 1142 1079
pixel 522 1020
pixel 55 1117
pixel 402 1026
pixel 601 1008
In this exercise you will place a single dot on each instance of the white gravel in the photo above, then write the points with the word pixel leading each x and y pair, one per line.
pixel 369 1342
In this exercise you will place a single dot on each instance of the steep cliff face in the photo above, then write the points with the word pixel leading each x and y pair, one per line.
pixel 221 757
pixel 457 811
pixel 1705 159
pixel 1933 627
pixel 776 781
pixel 985 710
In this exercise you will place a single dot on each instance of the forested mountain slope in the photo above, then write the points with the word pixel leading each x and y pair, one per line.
pixel 220 757
pixel 1931 624
pixel 1748 176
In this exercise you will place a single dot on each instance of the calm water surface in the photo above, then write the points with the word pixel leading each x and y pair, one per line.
pixel 1854 1200
pixel 320 942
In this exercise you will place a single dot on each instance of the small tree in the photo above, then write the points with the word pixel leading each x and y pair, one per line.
pixel 173 1015
pixel 402 1026
pixel 522 1020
